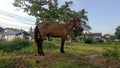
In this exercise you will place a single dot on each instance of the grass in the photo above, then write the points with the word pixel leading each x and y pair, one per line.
pixel 78 55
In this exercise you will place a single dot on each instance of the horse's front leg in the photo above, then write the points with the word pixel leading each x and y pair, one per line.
pixel 62 45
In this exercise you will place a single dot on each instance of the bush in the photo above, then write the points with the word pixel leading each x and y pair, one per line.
pixel 14 45
pixel 100 41
pixel 88 40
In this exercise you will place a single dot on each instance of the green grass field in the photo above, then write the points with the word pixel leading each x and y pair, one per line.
pixel 78 55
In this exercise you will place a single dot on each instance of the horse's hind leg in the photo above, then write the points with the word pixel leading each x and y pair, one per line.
pixel 41 50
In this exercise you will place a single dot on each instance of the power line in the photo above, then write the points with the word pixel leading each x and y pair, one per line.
pixel 16 16
pixel 12 14
pixel 14 26
pixel 12 20
pixel 4 25
pixel 19 20
pixel 20 27
pixel 11 26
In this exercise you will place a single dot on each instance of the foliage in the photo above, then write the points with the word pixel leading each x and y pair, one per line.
pixel 111 43
pixel 5 63
pixel 48 45
pixel 117 33
pixel 88 40
pixel 74 33
pixel 14 45
pixel 70 61
pixel 56 40
pixel 17 62
pixel 112 52
pixel 27 50
pixel 31 63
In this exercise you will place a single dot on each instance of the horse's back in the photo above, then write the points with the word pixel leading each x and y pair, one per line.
pixel 54 30
pixel 51 26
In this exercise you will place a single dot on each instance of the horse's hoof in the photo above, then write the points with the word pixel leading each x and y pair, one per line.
pixel 39 53
pixel 62 52
pixel 43 55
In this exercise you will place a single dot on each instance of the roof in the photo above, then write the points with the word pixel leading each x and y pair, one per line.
pixel 92 34
pixel 11 29
pixel 15 33
pixel 12 33
pixel 106 34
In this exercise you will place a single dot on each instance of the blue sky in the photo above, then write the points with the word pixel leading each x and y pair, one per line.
pixel 103 14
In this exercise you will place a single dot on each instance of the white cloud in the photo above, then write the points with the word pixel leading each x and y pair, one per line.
pixel 7 21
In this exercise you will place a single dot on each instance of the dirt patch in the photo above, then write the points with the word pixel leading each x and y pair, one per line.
pixel 82 60
pixel 40 61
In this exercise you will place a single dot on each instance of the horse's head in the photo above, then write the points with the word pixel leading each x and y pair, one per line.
pixel 77 25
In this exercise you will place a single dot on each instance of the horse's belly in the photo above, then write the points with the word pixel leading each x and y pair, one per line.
pixel 55 35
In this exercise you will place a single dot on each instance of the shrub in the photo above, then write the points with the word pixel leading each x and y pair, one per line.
pixel 100 41
pixel 14 45
pixel 88 40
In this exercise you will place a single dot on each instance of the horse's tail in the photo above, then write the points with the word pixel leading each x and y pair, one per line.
pixel 36 34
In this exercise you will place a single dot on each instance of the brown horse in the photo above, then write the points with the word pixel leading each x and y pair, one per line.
pixel 43 30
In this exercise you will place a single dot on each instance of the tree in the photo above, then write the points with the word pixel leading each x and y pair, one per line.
pixel 51 12
pixel 117 33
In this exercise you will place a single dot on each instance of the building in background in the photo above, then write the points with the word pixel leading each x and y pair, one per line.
pixel 11 35
pixel 94 36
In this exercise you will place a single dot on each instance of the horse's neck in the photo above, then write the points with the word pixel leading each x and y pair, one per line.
pixel 69 26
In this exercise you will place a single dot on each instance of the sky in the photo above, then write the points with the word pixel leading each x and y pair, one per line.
pixel 103 15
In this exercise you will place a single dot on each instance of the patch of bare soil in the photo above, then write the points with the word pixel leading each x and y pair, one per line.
pixel 46 61
pixel 41 61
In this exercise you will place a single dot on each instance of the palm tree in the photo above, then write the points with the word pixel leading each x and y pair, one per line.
pixel 84 19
